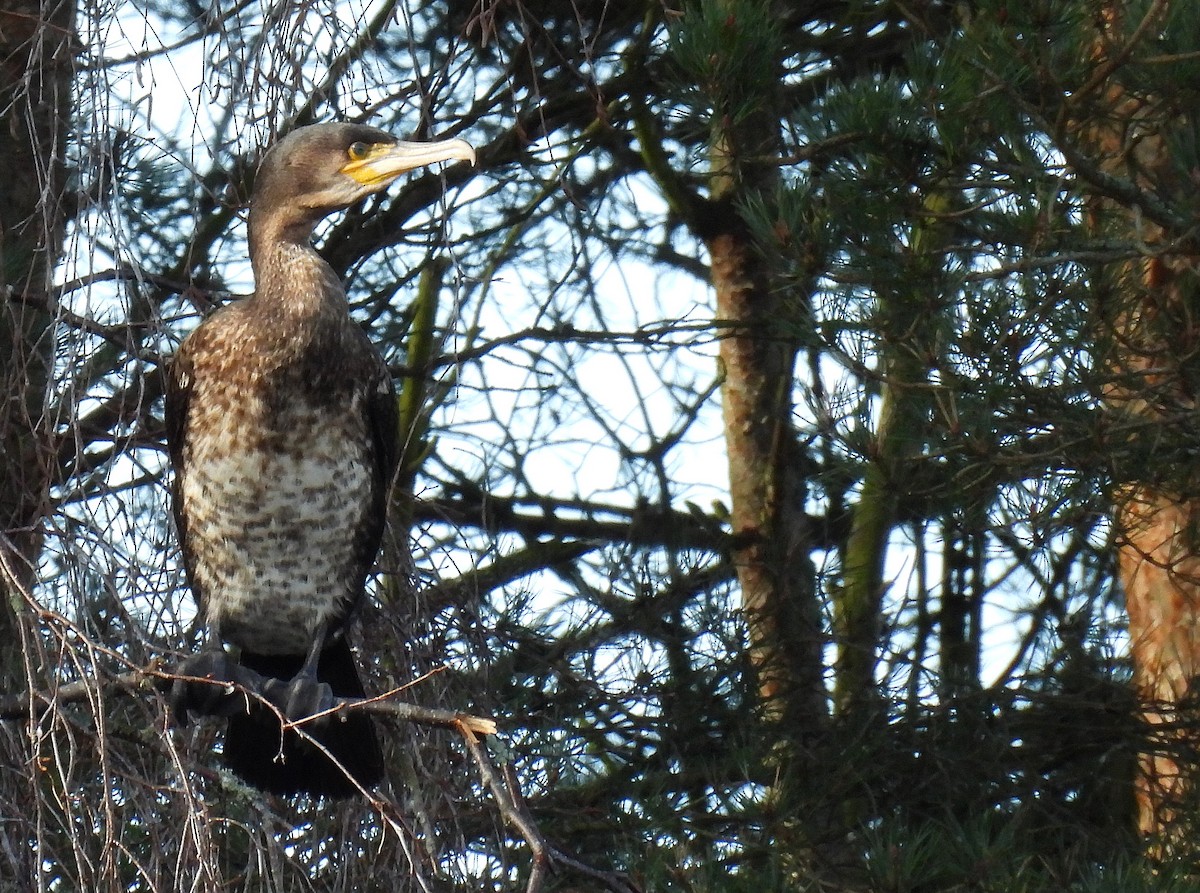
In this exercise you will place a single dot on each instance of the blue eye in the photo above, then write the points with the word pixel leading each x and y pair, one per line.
pixel 358 151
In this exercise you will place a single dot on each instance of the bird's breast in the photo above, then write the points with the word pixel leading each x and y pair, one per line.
pixel 276 497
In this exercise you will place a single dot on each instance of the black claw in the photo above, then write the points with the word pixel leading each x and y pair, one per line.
pixel 299 698
pixel 217 694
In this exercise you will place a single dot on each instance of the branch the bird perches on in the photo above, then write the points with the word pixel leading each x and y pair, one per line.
pixel 501 782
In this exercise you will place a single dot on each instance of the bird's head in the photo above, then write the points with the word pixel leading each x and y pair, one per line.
pixel 322 168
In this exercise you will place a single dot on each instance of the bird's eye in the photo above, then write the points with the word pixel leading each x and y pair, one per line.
pixel 358 151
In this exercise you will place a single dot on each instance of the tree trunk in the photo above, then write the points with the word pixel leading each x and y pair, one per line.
pixel 759 329
pixel 909 325
pixel 767 490
pixel 1153 341
pixel 36 49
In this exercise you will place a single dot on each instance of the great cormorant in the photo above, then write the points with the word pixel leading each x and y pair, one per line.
pixel 281 426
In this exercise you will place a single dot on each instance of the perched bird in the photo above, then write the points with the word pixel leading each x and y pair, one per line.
pixel 281 427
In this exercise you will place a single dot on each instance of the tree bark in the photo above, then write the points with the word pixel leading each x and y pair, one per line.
pixel 36 50
pixel 910 307
pixel 1152 343
pixel 759 329
pixel 767 489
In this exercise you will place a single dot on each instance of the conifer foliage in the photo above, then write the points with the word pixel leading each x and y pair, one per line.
pixel 798 405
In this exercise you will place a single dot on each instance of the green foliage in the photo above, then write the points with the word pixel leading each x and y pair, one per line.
pixel 727 55
pixel 931 250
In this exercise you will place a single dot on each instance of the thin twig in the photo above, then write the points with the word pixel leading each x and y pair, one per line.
pixel 18 706
pixel 511 803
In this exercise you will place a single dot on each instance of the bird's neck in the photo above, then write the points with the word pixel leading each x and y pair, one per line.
pixel 291 280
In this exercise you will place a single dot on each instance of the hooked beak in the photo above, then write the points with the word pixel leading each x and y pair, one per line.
pixel 387 161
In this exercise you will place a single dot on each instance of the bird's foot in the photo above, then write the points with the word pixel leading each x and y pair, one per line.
pixel 300 697
pixel 212 687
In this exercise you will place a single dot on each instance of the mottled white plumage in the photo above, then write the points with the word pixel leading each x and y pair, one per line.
pixel 283 463
pixel 281 524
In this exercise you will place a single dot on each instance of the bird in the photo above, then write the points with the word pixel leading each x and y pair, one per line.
pixel 281 425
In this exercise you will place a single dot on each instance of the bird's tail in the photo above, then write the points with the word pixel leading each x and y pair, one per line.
pixel 263 755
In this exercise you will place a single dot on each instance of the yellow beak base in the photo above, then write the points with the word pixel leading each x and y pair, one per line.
pixel 387 161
